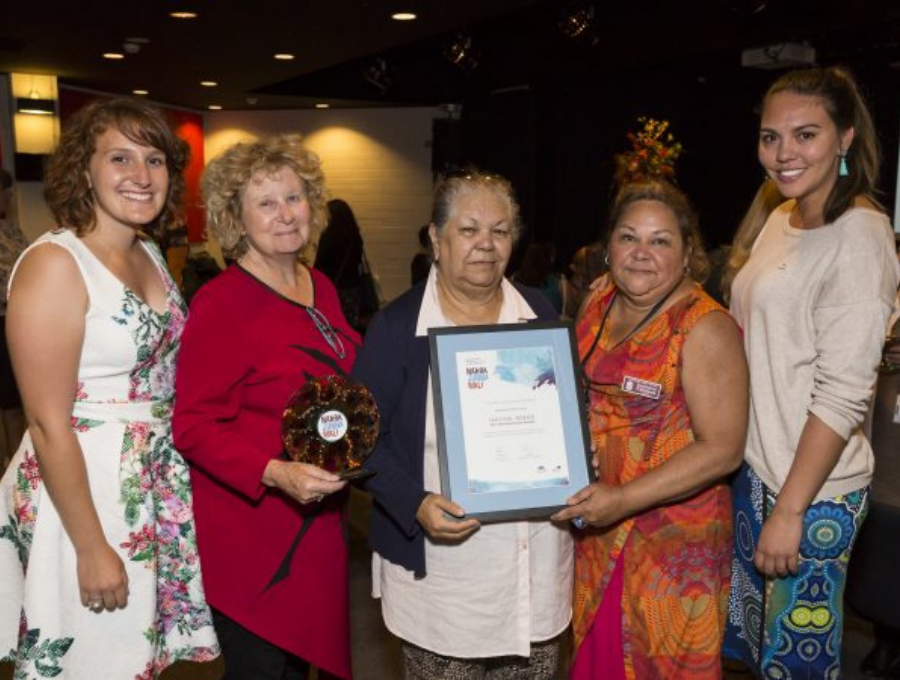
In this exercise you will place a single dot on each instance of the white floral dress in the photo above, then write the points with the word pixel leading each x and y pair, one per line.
pixel 140 487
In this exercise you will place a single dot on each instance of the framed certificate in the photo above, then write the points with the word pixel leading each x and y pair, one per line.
pixel 512 435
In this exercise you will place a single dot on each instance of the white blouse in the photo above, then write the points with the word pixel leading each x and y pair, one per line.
pixel 507 585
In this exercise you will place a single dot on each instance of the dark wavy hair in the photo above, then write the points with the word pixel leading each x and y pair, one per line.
pixel 66 188
pixel 680 205
pixel 837 90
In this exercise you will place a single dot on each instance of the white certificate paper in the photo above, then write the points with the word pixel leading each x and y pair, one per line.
pixel 513 423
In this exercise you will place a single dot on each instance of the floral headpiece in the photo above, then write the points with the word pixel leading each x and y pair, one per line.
pixel 652 156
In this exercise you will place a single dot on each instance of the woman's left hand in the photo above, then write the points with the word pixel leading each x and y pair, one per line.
pixel 598 504
pixel 778 550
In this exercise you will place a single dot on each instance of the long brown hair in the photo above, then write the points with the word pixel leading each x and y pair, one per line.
pixel 767 198
pixel 839 94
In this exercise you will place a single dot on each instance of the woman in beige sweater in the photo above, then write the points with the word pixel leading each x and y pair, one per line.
pixel 813 300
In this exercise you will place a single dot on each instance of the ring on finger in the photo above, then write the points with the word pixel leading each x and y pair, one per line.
pixel 95 605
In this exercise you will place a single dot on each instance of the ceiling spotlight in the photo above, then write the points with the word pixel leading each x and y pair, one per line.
pixel 141 93
pixel 284 56
pixel 215 107
pixel 183 14
pixel 377 75
pixel 749 7
pixel 113 55
pixel 323 106
pixel 462 52
pixel 578 22
pixel 209 83
pixel 403 16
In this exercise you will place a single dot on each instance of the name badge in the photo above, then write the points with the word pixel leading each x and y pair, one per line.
pixel 642 388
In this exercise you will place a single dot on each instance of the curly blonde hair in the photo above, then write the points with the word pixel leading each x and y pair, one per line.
pixel 66 187
pixel 228 174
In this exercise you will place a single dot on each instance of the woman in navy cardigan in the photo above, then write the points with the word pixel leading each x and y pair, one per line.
pixel 462 596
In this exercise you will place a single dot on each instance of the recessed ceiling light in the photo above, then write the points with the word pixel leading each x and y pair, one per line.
pixel 214 107
pixel 403 16
pixel 141 92
pixel 209 83
pixel 284 56
pixel 113 55
pixel 323 106
pixel 183 15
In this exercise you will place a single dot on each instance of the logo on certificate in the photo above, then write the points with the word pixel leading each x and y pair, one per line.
pixel 642 388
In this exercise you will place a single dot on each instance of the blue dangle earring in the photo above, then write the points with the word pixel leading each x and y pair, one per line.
pixel 842 168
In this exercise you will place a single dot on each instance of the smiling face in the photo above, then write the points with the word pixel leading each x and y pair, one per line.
pixel 647 254
pixel 800 148
pixel 129 181
pixel 472 249
pixel 275 213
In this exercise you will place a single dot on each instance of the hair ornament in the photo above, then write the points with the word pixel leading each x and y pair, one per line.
pixel 652 156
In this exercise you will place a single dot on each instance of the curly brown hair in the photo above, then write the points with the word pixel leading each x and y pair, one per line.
pixel 228 174
pixel 66 186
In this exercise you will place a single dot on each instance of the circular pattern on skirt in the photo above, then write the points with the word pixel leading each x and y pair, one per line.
pixel 743 535
pixel 828 534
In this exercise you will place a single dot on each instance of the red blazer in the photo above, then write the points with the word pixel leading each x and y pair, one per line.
pixel 244 351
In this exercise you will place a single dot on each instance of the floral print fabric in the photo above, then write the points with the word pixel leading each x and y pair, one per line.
pixel 140 487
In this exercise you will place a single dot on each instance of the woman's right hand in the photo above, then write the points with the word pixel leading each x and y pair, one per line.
pixel 102 578
pixel 303 482
pixel 778 548
pixel 438 516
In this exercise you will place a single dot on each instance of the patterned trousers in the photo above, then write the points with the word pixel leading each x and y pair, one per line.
pixel 543 664
pixel 789 628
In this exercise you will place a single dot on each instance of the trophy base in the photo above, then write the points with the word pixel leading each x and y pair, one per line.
pixel 355 475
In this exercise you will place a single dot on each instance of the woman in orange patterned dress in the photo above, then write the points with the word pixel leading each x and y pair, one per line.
pixel 665 374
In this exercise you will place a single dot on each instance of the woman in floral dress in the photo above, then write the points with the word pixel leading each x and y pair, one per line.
pixel 97 546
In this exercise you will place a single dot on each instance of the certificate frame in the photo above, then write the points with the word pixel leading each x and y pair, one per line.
pixel 504 426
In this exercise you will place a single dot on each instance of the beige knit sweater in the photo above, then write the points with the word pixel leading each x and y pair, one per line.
pixel 814 306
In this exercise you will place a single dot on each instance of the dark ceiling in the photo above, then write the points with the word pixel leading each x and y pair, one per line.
pixel 231 42
pixel 350 52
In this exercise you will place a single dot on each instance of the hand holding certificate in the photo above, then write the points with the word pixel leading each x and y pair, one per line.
pixel 512 438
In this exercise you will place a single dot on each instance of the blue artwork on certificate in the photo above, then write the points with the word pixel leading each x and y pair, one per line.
pixel 529 365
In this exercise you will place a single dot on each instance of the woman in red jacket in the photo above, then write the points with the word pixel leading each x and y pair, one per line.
pixel 270 531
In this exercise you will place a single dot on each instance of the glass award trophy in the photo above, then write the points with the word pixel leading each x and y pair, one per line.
pixel 331 422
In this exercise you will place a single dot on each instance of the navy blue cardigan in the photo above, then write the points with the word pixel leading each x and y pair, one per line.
pixel 393 363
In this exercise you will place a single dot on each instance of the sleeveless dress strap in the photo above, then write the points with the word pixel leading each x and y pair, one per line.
pixel 67 240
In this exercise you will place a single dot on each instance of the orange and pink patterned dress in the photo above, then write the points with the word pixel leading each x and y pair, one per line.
pixel 677 558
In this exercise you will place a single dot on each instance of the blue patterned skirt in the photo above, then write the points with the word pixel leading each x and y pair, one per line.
pixel 791 627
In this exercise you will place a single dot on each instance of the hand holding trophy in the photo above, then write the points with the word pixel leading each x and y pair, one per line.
pixel 333 423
